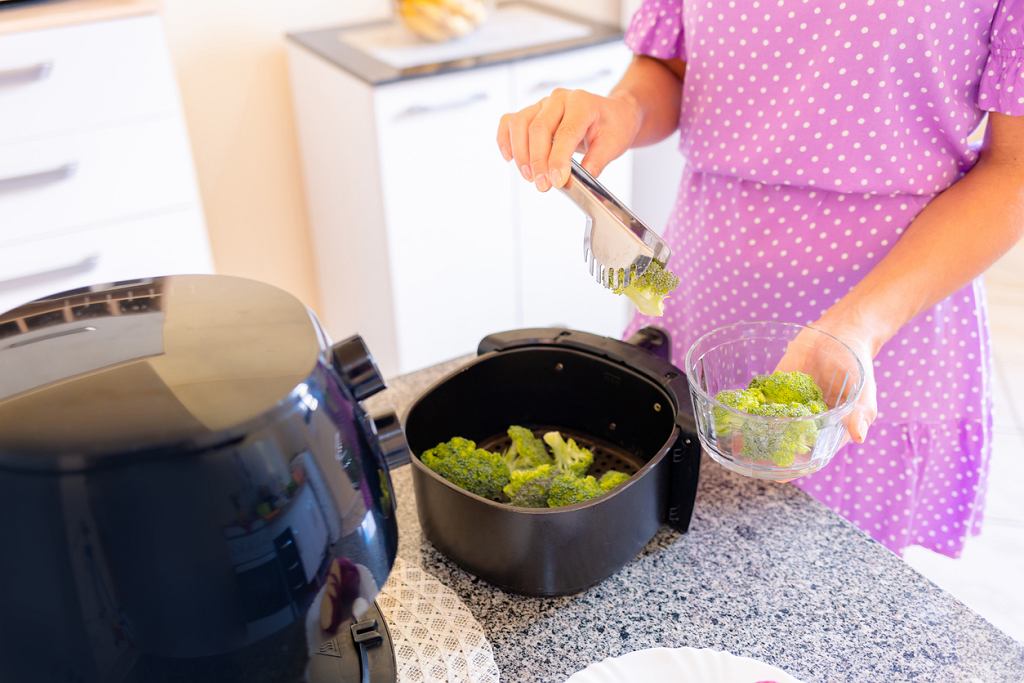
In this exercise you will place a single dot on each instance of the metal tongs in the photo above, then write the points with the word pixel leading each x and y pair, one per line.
pixel 617 246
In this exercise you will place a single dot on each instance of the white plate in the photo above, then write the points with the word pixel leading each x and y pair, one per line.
pixel 680 665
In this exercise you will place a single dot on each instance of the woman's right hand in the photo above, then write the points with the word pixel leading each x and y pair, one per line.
pixel 542 137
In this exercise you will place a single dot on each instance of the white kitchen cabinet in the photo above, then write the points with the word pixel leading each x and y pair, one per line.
pixel 426 240
pixel 96 175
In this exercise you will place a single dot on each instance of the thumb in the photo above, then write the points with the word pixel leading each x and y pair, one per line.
pixel 863 415
pixel 600 152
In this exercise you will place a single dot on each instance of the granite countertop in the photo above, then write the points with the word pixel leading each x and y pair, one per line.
pixel 764 572
pixel 343 47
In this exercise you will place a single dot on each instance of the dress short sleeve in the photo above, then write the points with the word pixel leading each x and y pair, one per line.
pixel 1002 83
pixel 657 30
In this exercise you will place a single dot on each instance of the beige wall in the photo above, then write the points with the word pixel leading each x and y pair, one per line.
pixel 230 60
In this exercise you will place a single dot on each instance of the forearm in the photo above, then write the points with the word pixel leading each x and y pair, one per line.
pixel 953 240
pixel 655 88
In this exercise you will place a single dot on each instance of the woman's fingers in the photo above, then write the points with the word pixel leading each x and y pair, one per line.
pixel 542 131
pixel 859 421
pixel 600 152
pixel 519 138
pixel 542 138
pixel 571 133
pixel 504 141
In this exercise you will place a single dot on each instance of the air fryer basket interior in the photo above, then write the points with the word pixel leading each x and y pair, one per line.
pixel 625 415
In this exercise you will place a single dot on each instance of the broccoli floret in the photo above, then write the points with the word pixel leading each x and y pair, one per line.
pixel 568 456
pixel 649 291
pixel 529 488
pixel 567 489
pixel 745 400
pixel 526 451
pixel 779 443
pixel 787 387
pixel 473 469
pixel 612 479
pixel 817 406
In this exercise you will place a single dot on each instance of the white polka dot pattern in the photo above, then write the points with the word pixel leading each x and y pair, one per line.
pixel 853 96
pixel 813 133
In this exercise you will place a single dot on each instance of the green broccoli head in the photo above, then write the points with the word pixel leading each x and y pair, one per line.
pixel 744 400
pixel 568 456
pixel 817 406
pixel 787 387
pixel 649 291
pixel 468 467
pixel 568 489
pixel 529 488
pixel 526 451
pixel 612 479
pixel 779 442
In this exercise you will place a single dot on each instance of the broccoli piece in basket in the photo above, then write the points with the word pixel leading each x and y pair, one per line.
pixel 473 469
pixel 569 457
pixel 527 450
pixel 529 488
pixel 612 479
pixel 568 489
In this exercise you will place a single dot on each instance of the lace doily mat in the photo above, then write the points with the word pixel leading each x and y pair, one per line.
pixel 436 638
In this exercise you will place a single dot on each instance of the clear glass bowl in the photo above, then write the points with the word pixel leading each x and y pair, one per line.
pixel 759 446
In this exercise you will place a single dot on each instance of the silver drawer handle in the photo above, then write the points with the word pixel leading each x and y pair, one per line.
pixel 548 86
pixel 76 266
pixel 421 109
pixel 25 74
pixel 35 178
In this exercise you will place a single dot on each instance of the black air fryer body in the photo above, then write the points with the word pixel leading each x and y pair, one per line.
pixel 193 491
pixel 624 400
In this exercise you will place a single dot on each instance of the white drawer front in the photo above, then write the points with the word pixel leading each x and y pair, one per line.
pixel 452 247
pixel 163 244
pixel 77 77
pixel 70 182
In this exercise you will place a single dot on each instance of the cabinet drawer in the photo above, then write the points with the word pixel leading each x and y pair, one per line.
pixel 594 69
pixel 173 242
pixel 75 77
pixel 64 183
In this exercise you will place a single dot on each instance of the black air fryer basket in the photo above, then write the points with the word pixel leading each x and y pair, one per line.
pixel 622 399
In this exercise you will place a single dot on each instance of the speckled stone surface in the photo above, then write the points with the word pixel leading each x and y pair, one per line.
pixel 764 572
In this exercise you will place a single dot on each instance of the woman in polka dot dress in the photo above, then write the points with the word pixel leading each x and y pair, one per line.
pixel 828 180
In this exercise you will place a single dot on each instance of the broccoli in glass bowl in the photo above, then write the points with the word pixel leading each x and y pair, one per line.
pixel 764 422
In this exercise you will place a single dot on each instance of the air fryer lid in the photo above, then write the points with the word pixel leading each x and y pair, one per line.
pixel 136 366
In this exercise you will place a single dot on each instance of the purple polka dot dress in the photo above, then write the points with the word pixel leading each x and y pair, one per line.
pixel 813 133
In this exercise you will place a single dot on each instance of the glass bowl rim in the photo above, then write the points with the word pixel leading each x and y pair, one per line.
pixel 840 410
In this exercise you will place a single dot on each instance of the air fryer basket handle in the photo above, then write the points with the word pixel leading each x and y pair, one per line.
pixel 683 478
pixel 654 340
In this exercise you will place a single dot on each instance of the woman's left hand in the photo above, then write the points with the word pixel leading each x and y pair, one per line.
pixel 806 356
